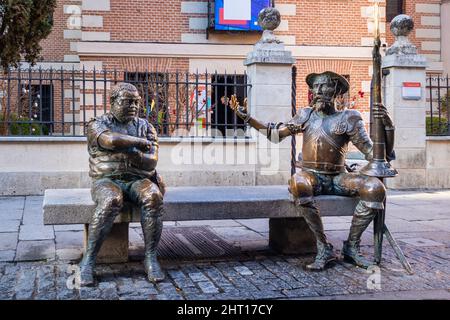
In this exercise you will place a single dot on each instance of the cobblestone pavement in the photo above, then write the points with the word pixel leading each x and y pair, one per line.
pixel 38 262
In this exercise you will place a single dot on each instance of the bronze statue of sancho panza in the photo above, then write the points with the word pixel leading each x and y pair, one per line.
pixel 326 134
pixel 123 150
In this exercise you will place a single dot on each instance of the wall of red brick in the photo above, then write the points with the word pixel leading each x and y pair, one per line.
pixel 55 46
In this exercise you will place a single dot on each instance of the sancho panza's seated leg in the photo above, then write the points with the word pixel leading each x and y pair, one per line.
pixel 109 199
pixel 148 195
pixel 303 186
pixel 372 194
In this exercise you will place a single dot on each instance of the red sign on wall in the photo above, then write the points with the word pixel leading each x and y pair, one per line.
pixel 411 91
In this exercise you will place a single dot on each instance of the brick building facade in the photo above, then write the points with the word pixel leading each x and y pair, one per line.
pixel 172 35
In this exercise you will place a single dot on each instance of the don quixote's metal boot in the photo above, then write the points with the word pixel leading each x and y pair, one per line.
pixel 324 257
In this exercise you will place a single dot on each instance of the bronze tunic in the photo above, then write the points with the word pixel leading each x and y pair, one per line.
pixel 116 164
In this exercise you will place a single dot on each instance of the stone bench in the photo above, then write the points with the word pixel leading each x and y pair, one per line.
pixel 288 232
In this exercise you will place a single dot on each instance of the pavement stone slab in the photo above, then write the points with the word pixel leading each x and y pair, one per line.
pixel 7 255
pixel 69 239
pixel 35 250
pixel 8 241
pixel 9 226
pixel 35 232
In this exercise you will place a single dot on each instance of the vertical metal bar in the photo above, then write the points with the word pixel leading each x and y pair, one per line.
pixel 104 90
pixel 245 97
pixel 151 96
pixel 187 101
pixel 95 91
pixel 30 102
pixel 52 116
pixel 157 85
pixel 439 104
pixel 177 105
pixel 8 105
pixel 84 101
pixel 196 103
pixel 40 102
pixel 73 100
pixel 62 101
pixel 147 105
pixel 216 103
pixel 431 106
pixel 166 118
pixel 225 105
pixel 206 100
pixel 156 74
pixel 115 76
pixel 234 113
pixel 19 95
pixel 293 113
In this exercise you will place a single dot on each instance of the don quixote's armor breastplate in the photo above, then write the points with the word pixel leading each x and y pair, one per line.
pixel 325 143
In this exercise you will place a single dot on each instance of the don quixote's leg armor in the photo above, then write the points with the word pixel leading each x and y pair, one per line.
pixel 372 194
pixel 301 186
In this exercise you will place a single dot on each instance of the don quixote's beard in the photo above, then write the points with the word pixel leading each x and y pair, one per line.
pixel 323 105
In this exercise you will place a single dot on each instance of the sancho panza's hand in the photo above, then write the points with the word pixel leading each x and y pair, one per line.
pixel 241 111
pixel 144 145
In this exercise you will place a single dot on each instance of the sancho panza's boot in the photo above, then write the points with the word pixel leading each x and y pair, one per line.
pixel 152 228
pixel 361 219
pixel 100 226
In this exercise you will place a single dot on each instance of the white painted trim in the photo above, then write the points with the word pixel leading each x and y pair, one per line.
pixel 224 51
pixel 428 7
pixel 286 9
pixel 96 5
pixel 92 21
pixel 95 36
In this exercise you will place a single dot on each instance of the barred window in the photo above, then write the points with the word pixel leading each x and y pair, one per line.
pixel 393 8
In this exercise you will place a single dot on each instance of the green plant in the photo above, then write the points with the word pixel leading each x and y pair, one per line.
pixel 436 126
pixel 443 105
pixel 22 126
pixel 23 24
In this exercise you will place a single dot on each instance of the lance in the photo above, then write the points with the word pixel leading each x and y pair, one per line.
pixel 378 166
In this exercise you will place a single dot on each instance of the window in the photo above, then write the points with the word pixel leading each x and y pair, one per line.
pixel 222 117
pixel 153 87
pixel 37 106
pixel 393 8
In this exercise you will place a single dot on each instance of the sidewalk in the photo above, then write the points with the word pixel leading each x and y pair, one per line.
pixel 229 259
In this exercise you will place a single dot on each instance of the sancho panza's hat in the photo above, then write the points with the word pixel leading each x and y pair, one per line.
pixel 342 83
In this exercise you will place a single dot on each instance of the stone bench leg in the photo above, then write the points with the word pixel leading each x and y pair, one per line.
pixel 291 236
pixel 115 247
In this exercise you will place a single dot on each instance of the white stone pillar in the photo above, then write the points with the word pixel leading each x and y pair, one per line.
pixel 405 68
pixel 269 70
